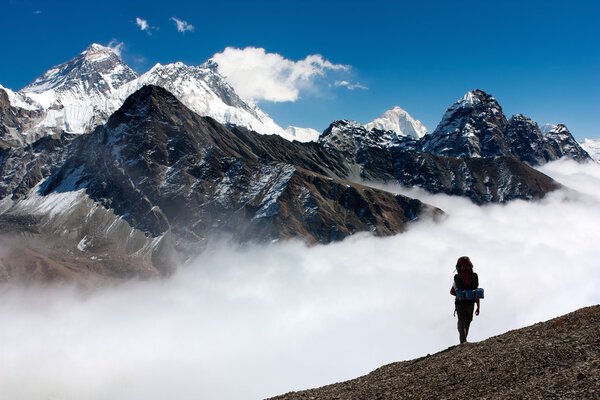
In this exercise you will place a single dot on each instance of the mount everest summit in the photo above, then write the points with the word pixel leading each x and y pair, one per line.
pixel 116 175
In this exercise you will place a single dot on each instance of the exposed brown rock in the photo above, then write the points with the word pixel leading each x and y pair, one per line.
pixel 556 359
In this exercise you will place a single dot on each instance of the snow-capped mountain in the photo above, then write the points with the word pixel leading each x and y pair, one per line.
pixel 302 134
pixel 472 127
pixel 475 126
pixel 386 156
pixel 205 92
pixel 351 138
pixel 399 121
pixel 80 94
pixel 592 147
pixel 547 128
pixel 564 144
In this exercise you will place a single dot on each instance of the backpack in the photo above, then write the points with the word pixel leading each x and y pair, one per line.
pixel 460 283
pixel 467 291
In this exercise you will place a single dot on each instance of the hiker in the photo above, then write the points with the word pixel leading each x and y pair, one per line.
pixel 464 279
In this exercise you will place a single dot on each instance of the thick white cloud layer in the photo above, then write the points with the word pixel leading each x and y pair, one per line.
pixel 257 75
pixel 262 320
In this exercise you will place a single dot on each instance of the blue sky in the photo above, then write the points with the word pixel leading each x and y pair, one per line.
pixel 538 58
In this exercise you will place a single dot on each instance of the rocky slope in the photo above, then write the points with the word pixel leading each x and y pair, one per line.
pixel 557 359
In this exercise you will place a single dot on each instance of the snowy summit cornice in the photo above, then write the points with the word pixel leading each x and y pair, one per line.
pixel 399 121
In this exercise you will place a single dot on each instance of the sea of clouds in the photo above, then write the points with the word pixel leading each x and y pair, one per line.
pixel 257 321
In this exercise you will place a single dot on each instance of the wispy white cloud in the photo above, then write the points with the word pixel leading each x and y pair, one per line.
pixel 181 25
pixel 37 12
pixel 257 75
pixel 350 85
pixel 116 46
pixel 144 25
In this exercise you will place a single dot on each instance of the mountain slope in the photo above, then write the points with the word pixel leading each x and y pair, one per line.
pixel 556 359
pixel 471 127
pixel 167 179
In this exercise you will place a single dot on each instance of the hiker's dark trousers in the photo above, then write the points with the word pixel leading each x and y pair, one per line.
pixel 464 311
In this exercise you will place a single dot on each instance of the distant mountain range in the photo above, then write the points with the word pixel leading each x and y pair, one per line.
pixel 110 175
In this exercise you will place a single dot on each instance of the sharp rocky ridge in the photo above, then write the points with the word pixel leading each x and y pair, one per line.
pixel 473 127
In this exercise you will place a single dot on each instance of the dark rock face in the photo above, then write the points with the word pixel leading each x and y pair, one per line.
pixel 23 167
pixel 472 127
pixel 562 142
pixel 483 180
pixel 527 142
pixel 557 359
pixel 13 120
pixel 475 126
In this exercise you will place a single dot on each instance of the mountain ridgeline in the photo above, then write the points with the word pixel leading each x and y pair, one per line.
pixel 95 190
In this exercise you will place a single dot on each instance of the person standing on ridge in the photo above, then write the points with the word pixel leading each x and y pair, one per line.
pixel 464 279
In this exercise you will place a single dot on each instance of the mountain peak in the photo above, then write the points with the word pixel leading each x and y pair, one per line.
pixel 472 127
pixel 475 97
pixel 146 98
pixel 98 48
pixel 97 68
pixel 210 64
pixel 547 128
pixel 559 129
pixel 398 120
